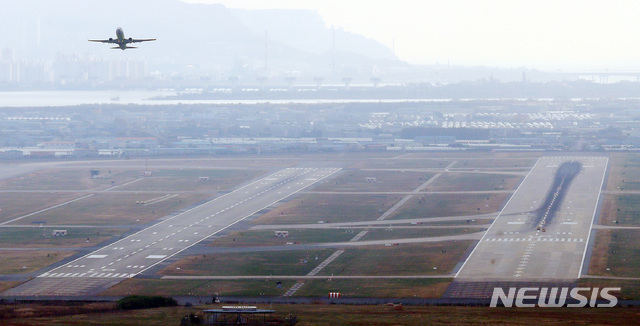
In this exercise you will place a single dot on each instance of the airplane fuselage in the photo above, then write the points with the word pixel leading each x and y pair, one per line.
pixel 121 41
pixel 122 44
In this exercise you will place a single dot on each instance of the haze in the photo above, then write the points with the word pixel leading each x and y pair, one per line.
pixel 546 34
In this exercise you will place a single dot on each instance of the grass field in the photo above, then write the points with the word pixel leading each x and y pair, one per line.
pixel 392 232
pixel 439 205
pixel 624 171
pixel 616 253
pixel 333 208
pixel 372 288
pixel 24 261
pixel 67 179
pixel 474 182
pixel 404 259
pixel 14 205
pixel 622 210
pixel 267 287
pixel 389 163
pixel 377 288
pixel 111 209
pixel 511 164
pixel 188 180
pixel 608 210
pixel 599 257
pixel 355 180
pixel 250 263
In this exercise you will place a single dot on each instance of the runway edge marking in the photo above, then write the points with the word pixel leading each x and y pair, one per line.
pixel 593 216
pixel 498 216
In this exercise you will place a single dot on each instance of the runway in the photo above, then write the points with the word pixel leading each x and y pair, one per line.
pixel 134 254
pixel 513 249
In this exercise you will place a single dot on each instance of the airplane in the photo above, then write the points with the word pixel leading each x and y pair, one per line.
pixel 121 41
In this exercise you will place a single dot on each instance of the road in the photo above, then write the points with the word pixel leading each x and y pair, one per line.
pixel 513 249
pixel 134 254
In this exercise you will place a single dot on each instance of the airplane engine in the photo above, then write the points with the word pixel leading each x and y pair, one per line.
pixel 130 39
pixel 110 39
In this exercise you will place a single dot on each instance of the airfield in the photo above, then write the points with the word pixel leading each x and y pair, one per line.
pixel 365 225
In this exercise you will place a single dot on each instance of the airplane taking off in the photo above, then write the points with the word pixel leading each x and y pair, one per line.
pixel 121 41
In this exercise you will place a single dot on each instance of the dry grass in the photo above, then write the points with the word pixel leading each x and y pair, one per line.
pixel 376 288
pixel 249 263
pixel 14 205
pixel 608 210
pixel 404 259
pixel 621 210
pixel 112 209
pixel 355 180
pixel 622 251
pixel 391 163
pixel 599 253
pixel 268 238
pixel 40 237
pixel 6 285
pixel 474 182
pixel 53 179
pixel 188 180
pixel 624 171
pixel 438 205
pixel 200 287
pixel 333 208
pixel 493 162
pixel 19 261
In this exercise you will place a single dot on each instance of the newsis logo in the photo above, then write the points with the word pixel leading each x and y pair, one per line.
pixel 555 297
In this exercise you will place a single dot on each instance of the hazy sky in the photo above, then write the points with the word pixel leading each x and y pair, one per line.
pixel 543 34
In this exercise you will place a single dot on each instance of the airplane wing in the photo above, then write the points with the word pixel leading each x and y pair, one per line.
pixel 139 40
pixel 105 41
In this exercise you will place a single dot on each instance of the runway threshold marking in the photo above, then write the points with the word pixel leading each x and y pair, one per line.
pixel 497 217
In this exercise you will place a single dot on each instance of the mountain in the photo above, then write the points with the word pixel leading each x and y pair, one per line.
pixel 306 30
